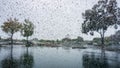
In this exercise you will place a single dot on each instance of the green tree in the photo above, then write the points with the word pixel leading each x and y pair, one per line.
pixel 116 37
pixel 102 15
pixel 11 26
pixel 27 29
pixel 80 39
pixel 96 40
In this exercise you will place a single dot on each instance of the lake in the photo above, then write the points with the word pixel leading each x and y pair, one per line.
pixel 57 57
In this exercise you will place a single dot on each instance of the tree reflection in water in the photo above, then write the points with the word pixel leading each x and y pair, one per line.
pixel 100 60
pixel 26 59
pixel 10 61
pixel 91 60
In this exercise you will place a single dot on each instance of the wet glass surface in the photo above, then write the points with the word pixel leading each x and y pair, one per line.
pixel 57 57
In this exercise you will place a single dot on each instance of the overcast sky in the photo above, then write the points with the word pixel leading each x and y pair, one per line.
pixel 53 19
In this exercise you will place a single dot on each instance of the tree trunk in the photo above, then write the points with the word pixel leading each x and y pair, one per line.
pixel 27 40
pixel 102 38
pixel 12 39
pixel 102 32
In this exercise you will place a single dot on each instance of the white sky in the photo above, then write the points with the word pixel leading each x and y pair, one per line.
pixel 54 19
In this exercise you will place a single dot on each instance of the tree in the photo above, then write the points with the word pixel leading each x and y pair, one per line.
pixel 107 40
pixel 27 29
pixel 80 39
pixel 102 15
pixel 116 37
pixel 11 26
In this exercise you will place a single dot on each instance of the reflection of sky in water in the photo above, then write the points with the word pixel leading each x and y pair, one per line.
pixel 53 18
pixel 46 57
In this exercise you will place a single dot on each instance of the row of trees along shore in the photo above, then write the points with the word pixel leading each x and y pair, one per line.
pixel 11 26
pixel 104 14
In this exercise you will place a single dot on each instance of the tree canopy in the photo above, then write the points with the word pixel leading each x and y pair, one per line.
pixel 27 29
pixel 11 26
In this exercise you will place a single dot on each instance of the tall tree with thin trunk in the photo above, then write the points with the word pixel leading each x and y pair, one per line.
pixel 102 15
pixel 27 29
pixel 11 26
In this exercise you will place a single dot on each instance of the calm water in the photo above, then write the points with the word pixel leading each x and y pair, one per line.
pixel 62 57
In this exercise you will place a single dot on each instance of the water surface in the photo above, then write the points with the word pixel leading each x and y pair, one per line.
pixel 57 57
